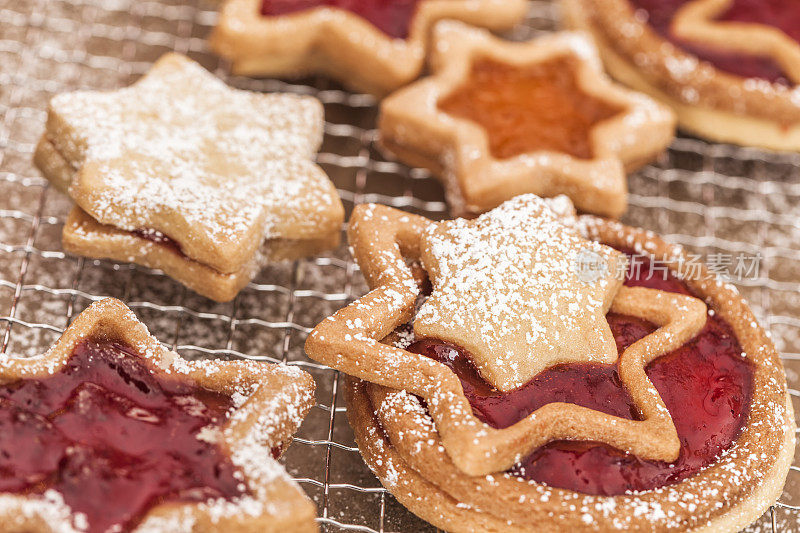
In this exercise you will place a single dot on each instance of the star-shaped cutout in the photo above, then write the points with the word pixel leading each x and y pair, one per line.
pixel 107 343
pixel 765 29
pixel 507 287
pixel 385 241
pixel 497 119
pixel 216 169
pixel 373 47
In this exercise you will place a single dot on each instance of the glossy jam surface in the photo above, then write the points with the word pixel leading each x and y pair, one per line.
pixel 530 108
pixel 706 385
pixel 589 385
pixel 113 439
pixel 392 17
pixel 781 14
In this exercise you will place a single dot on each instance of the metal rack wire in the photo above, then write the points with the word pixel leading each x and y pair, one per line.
pixel 711 198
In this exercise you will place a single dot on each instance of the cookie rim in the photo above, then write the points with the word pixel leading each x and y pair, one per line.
pixel 448 512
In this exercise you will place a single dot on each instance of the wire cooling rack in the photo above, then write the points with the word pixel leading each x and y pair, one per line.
pixel 718 200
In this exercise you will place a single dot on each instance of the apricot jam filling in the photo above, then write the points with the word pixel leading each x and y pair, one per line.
pixel 706 384
pixel 392 17
pixel 529 108
pixel 779 14
pixel 113 439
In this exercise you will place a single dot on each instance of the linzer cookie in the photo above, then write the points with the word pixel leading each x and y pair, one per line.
pixel 728 68
pixel 180 172
pixel 372 46
pixel 516 373
pixel 109 431
pixel 497 119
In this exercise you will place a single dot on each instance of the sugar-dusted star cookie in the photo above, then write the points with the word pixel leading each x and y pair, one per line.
pixel 109 431
pixel 688 428
pixel 182 173
pixel 507 288
pixel 372 46
pixel 456 257
pixel 497 119
pixel 728 68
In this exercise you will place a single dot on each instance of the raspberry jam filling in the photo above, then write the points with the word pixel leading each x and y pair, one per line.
pixel 706 385
pixel 781 14
pixel 159 238
pixel 530 108
pixel 392 17
pixel 112 438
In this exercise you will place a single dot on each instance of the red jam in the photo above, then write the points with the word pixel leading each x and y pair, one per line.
pixel 706 385
pixel 781 14
pixel 392 17
pixel 159 238
pixel 112 438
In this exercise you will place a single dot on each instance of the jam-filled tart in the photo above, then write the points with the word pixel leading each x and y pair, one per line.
pixel 109 431
pixel 498 118
pixel 510 374
pixel 373 46
pixel 729 68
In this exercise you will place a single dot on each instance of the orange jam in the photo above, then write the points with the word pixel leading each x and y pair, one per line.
pixel 529 108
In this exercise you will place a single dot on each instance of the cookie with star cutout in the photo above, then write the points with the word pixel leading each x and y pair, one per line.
pixel 182 173
pixel 110 431
pixel 371 46
pixel 535 370
pixel 729 68
pixel 497 119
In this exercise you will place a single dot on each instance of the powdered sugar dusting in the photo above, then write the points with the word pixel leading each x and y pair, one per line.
pixel 182 153
pixel 507 288
pixel 19 512
pixel 273 492
pixel 269 403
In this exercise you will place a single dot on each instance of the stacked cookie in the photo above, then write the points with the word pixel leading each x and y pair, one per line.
pixel 181 173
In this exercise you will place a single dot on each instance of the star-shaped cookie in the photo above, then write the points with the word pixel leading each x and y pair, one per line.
pixel 180 158
pixel 373 47
pixel 698 22
pixel 147 441
pixel 736 474
pixel 359 339
pixel 541 310
pixel 498 119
